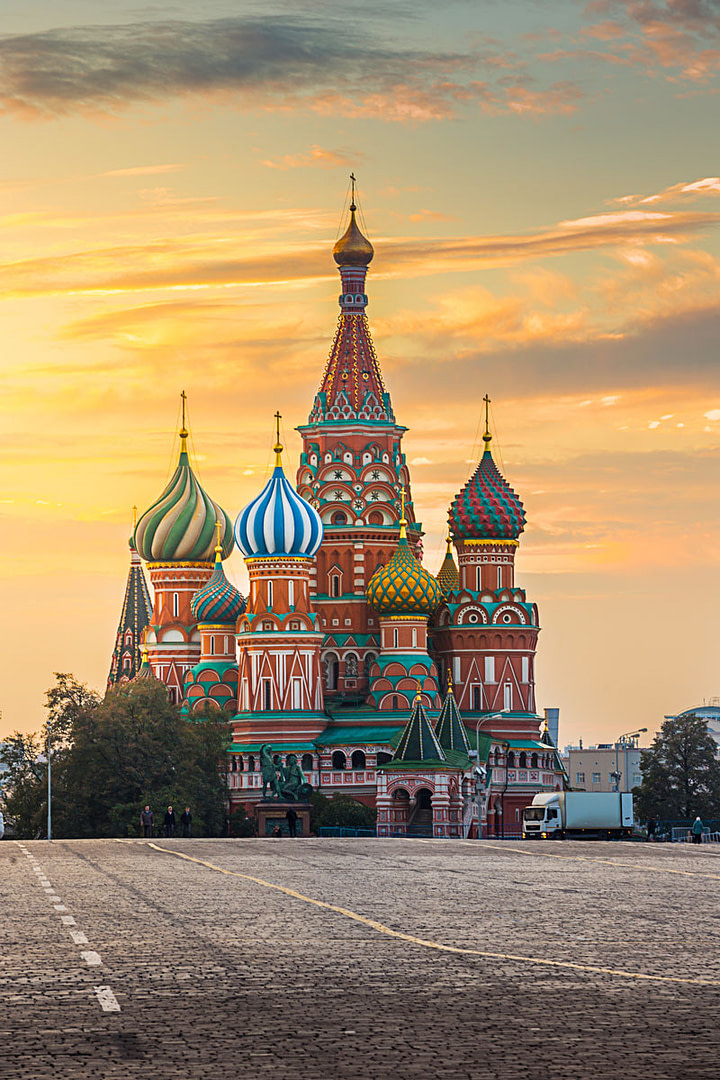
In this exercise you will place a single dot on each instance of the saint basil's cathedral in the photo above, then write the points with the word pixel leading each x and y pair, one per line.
pixel 387 683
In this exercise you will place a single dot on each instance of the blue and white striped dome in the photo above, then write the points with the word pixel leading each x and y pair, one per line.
pixel 278 521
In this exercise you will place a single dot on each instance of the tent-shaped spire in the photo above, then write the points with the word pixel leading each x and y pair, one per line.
pixel 134 619
pixel 449 728
pixel 418 741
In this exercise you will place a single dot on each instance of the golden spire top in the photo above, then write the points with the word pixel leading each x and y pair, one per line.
pixel 448 541
pixel 134 517
pixel 183 430
pixel 218 546
pixel 418 692
pixel 278 445
pixel 145 648
pixel 403 521
pixel 353 249
pixel 487 437
pixel 450 684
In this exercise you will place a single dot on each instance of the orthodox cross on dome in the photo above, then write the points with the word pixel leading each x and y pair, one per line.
pixel 218 545
pixel 278 445
pixel 353 182
pixel 487 437
pixel 183 429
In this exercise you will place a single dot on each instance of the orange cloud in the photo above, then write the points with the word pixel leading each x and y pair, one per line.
pixel 317 158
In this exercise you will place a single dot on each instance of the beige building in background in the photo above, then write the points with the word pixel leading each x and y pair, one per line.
pixel 594 768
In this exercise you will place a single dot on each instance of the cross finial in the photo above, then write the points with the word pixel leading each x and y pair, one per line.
pixel 134 517
pixel 450 686
pixel 418 692
pixel 218 546
pixel 487 437
pixel 183 429
pixel 403 493
pixel 278 445
pixel 353 182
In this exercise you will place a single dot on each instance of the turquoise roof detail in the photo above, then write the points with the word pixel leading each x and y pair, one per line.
pixel 419 742
pixel 449 727
pixel 180 525
pixel 218 601
pixel 344 736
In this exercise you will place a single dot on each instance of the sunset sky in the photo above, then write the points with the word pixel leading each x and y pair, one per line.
pixel 537 180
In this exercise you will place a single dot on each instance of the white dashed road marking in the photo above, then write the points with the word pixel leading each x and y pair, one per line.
pixel 108 1001
pixel 59 907
pixel 91 958
pixel 67 920
pixel 78 937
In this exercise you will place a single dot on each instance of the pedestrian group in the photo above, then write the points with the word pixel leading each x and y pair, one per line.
pixel 169 824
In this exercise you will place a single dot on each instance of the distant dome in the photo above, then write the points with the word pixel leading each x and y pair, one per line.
pixel 353 249
pixel 448 577
pixel 278 521
pixel 180 525
pixel 402 586
pixel 487 507
pixel 218 601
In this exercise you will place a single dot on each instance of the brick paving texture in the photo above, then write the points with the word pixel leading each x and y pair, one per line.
pixel 218 976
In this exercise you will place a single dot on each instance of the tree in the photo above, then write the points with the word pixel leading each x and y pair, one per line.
pixel 24 794
pixel 341 811
pixel 112 756
pixel 681 773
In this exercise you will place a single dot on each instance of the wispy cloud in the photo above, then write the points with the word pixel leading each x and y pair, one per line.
pixel 684 191
pixel 325 65
pixel 315 158
pixel 144 170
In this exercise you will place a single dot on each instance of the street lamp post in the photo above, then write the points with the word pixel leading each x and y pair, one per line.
pixel 49 785
pixel 483 720
pixel 625 735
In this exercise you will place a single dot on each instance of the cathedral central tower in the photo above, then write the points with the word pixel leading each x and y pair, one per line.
pixel 352 470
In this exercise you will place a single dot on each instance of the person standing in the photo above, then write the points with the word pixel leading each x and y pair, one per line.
pixel 651 828
pixel 291 818
pixel 169 822
pixel 186 821
pixel 147 820
pixel 697 830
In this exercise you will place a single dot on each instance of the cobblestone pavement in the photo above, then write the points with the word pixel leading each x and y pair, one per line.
pixel 379 959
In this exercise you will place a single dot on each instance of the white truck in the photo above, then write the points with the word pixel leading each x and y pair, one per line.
pixel 580 814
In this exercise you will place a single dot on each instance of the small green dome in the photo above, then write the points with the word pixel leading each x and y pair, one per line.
pixel 402 586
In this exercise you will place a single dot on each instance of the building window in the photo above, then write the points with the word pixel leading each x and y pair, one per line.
pixel 456 669
pixel 499 578
pixel 579 777
pixel 476 698
pixel 212 645
pixel 525 663
pixel 533 761
pixel 291 593
pixel 522 763
pixel 637 779
pixel 269 594
pixel 335 585
pixel 267 694
pixel 251 763
pixel 597 778
pixel 176 604
pixel 339 518
pixel 489 669
pixel 339 761
pixel 507 697
pixel 395 701
pixel 414 637
pixel 395 637
pixel 511 759
pixel 297 693
pixel 332 669
pixel 351 666
pixel 307 763
pixel 357 760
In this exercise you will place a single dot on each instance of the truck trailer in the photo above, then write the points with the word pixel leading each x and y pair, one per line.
pixel 580 814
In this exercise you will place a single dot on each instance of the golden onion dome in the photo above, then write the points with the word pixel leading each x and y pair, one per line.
pixel 353 249
pixel 403 586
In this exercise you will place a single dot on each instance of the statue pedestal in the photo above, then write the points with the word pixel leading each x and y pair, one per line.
pixel 271 813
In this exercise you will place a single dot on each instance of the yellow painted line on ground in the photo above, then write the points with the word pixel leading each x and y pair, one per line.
pixel 425 943
pixel 606 862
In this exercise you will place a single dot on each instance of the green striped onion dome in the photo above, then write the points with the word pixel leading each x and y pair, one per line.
pixel 402 586
pixel 180 525
pixel 218 601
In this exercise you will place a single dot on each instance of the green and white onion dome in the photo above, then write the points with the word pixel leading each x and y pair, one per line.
pixel 180 526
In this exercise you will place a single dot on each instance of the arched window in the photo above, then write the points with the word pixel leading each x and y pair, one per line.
pixel 233 765
pixel 383 758
pixel 367 663
pixel 395 701
pixel 357 760
pixel 332 668
pixel 395 637
pixel 240 763
pixel 269 595
pixel 523 760
pixel 251 763
pixel 339 518
pixel 176 604
pixel 339 761
pixel 401 795
pixel 351 666
pixel 375 517
pixel 307 763
pixel 335 585
pixel 511 759
pixel 534 761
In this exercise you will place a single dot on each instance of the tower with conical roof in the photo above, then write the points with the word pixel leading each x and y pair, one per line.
pixel 176 537
pixel 212 683
pixel 134 618
pixel 485 634
pixel 279 639
pixel 352 470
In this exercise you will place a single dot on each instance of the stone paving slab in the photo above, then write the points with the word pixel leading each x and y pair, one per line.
pixel 215 974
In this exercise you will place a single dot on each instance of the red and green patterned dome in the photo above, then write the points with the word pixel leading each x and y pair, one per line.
pixel 448 577
pixel 487 508
pixel 402 586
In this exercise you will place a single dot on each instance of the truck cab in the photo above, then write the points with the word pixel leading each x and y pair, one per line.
pixel 542 820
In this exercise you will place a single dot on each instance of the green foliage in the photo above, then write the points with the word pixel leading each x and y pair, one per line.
pixel 112 756
pixel 681 773
pixel 340 812
pixel 24 795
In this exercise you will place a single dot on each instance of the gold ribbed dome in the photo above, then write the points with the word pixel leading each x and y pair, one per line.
pixel 353 249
